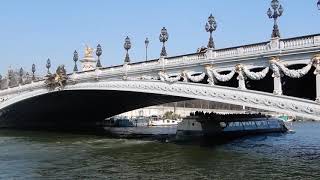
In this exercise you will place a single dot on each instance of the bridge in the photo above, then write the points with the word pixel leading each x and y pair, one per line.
pixel 281 75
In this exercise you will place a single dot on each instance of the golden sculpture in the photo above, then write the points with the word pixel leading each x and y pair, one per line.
pixel 239 68
pixel 274 59
pixel 59 79
pixel 316 59
pixel 88 52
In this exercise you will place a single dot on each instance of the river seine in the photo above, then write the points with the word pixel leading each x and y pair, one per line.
pixel 41 155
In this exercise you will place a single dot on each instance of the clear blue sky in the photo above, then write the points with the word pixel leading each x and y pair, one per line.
pixel 34 30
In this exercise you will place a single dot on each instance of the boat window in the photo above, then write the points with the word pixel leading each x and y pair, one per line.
pixel 231 124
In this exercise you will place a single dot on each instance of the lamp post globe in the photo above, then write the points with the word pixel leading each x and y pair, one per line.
pixel 274 4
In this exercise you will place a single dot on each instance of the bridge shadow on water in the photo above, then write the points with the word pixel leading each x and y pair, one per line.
pixel 78 110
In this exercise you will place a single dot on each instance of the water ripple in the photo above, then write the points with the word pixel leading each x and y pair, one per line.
pixel 39 155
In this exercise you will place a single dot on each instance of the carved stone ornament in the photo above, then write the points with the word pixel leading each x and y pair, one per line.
pixel 274 67
pixel 166 78
pixel 256 75
pixel 316 63
pixel 57 80
pixel 221 77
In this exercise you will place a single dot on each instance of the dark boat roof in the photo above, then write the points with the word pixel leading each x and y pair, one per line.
pixel 228 117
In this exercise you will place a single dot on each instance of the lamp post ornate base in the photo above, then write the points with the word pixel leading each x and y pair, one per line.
pixel 275 31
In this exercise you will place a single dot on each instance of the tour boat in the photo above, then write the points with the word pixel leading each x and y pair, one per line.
pixel 223 127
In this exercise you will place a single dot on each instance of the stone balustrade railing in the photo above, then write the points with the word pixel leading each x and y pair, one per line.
pixel 300 42
pixel 255 48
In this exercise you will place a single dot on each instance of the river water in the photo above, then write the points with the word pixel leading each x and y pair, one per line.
pixel 41 155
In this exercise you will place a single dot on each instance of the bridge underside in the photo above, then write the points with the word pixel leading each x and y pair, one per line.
pixel 77 109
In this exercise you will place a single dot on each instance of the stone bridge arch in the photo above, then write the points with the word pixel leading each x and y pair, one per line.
pixel 164 92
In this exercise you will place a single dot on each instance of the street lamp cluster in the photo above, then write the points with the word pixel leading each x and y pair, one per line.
pixel 99 53
pixel 275 14
pixel 211 26
pixel 164 36
pixel 127 46
pixel 48 65
pixel 75 59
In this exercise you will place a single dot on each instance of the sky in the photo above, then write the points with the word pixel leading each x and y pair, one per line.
pixel 33 31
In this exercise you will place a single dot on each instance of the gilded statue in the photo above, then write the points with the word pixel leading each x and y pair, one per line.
pixel 59 79
pixel 88 52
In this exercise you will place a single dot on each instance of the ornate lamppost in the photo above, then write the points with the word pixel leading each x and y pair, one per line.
pixel 146 43
pixel 33 71
pixel 75 59
pixel 21 76
pixel 10 77
pixel 275 14
pixel 211 26
pixel 164 36
pixel 99 53
pixel 127 46
pixel 48 66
